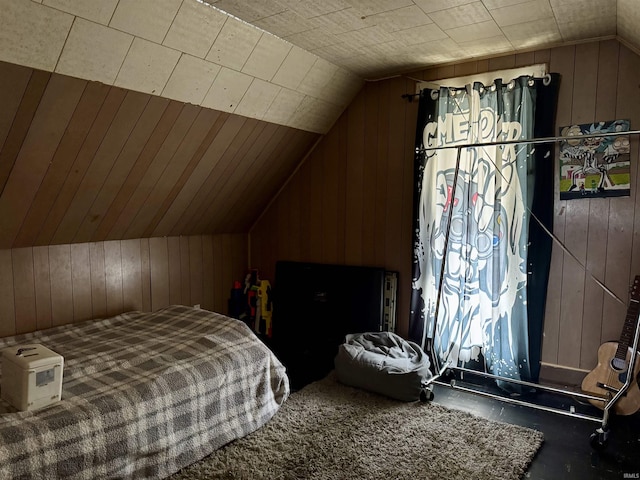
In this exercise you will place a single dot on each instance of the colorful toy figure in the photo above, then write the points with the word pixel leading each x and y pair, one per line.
pixel 265 309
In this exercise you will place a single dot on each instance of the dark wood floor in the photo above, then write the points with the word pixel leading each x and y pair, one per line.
pixel 566 452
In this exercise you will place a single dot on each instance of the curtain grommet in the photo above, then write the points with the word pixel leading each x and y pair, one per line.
pixel 546 80
pixel 435 94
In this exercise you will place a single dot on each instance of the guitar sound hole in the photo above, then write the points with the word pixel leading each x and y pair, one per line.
pixel 618 364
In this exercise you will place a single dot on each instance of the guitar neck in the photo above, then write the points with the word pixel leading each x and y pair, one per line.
pixel 628 330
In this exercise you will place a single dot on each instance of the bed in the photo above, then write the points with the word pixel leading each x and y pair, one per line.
pixel 144 395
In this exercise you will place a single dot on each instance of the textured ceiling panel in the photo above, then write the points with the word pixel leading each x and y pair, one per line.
pixel 220 53
pixel 185 50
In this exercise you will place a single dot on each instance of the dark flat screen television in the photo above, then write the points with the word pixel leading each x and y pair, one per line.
pixel 315 306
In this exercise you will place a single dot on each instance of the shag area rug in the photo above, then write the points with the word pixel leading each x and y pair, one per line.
pixel 330 431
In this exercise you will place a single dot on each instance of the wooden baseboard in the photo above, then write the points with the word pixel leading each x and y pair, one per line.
pixel 561 375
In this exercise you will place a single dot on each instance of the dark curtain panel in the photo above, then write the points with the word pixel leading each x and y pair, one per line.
pixel 540 243
pixel 540 180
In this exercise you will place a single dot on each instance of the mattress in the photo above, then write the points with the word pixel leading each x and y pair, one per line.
pixel 144 395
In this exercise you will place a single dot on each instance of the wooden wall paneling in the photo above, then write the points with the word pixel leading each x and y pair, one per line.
pixel 227 270
pixel 272 249
pixel 196 269
pixel 145 265
pixel 71 143
pixel 330 197
pixel 229 188
pixel 208 278
pixel 113 277
pixel 542 56
pixel 316 233
pixel 382 165
pixel 42 287
pixel 229 199
pixel 482 65
pixel 226 184
pixel 24 289
pixel 445 71
pixel 265 227
pixel 139 167
pixel 236 196
pixel 185 273
pixel 132 276
pixel 21 120
pixel 466 68
pixel 175 273
pixel 45 132
pixel 81 163
pixel 259 238
pixel 342 127
pixel 217 139
pixel 103 161
pixel 283 236
pixel 577 215
pixel 305 211
pixel 370 160
pixel 219 301
pixel 122 165
pixel 137 190
pixel 220 176
pixel 395 173
pixel 98 280
pixel 81 282
pixel 524 59
pixel 192 144
pixel 561 61
pixel 430 73
pixel 355 167
pixel 13 83
pixel 502 63
pixel 7 298
pixel 239 259
pixel 236 208
pixel 598 215
pixel 619 276
pixel 61 284
pixel 159 263
pixel 231 138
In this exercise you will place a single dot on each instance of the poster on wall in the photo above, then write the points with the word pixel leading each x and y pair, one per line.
pixel 595 166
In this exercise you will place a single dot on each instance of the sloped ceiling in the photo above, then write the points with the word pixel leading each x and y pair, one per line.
pixel 83 161
pixel 139 118
pixel 292 62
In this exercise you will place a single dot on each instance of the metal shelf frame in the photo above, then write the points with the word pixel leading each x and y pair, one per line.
pixel 601 432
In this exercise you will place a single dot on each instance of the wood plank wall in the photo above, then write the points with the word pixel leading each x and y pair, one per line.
pixel 45 286
pixel 85 162
pixel 351 201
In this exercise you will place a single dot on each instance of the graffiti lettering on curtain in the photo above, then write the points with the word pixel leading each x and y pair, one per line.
pixel 471 240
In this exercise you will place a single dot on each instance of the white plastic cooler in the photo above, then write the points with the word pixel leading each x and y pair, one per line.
pixel 31 376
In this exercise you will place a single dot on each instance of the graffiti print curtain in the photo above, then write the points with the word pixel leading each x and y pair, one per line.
pixel 469 291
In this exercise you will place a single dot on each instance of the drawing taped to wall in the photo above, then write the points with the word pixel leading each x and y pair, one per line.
pixel 595 166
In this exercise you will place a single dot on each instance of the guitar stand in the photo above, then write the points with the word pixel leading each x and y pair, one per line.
pixel 598 440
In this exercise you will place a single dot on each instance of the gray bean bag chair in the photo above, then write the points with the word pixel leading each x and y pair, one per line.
pixel 385 363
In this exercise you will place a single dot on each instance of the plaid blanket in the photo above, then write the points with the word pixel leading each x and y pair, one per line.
pixel 143 396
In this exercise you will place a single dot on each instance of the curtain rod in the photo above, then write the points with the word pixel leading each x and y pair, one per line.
pixel 530 141
pixel 546 80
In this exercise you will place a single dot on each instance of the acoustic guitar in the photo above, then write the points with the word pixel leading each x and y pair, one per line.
pixel 613 364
